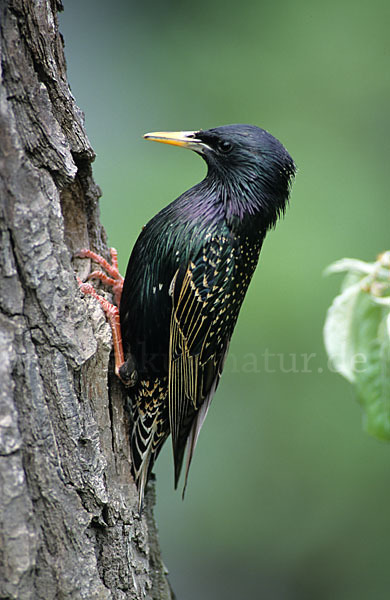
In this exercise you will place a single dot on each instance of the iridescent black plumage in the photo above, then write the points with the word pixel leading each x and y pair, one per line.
pixel 185 283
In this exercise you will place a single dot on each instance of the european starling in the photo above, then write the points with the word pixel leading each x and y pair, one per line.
pixel 185 282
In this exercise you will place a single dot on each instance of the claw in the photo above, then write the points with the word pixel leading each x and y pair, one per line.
pixel 115 280
pixel 127 375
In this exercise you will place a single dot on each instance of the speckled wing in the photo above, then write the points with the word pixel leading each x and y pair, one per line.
pixel 202 323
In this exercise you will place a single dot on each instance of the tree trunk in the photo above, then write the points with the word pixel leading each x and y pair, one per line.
pixel 69 523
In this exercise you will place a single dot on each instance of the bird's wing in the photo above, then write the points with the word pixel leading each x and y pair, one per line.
pixel 200 331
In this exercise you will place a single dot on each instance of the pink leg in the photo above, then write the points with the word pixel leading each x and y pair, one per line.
pixel 112 314
pixel 114 258
pixel 115 280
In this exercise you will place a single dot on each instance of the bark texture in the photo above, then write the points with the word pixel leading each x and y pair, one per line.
pixel 69 524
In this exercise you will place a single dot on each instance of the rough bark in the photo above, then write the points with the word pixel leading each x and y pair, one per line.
pixel 69 523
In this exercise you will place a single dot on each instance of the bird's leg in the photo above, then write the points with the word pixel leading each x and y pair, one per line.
pixel 125 370
pixel 113 279
pixel 112 314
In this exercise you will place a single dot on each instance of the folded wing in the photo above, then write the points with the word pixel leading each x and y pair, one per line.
pixel 201 325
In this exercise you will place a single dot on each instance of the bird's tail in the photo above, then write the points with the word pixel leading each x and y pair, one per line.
pixel 149 432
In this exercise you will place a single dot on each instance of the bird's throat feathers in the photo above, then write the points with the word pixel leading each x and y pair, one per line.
pixel 239 198
pixel 252 198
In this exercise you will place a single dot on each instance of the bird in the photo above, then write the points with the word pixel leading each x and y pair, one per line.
pixel 185 283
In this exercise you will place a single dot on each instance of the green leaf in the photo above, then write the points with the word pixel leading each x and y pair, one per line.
pixel 370 337
pixel 357 336
pixel 338 340
pixel 350 264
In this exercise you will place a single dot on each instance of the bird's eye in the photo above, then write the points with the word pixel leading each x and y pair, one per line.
pixel 225 146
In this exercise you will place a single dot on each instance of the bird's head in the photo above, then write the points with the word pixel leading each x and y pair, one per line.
pixel 251 169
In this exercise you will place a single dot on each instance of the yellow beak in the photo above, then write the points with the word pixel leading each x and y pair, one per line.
pixel 184 139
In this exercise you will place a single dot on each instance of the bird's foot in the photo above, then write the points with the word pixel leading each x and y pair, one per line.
pixel 114 279
pixel 125 370
pixel 112 313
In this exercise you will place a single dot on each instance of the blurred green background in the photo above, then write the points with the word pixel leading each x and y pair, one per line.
pixel 288 499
